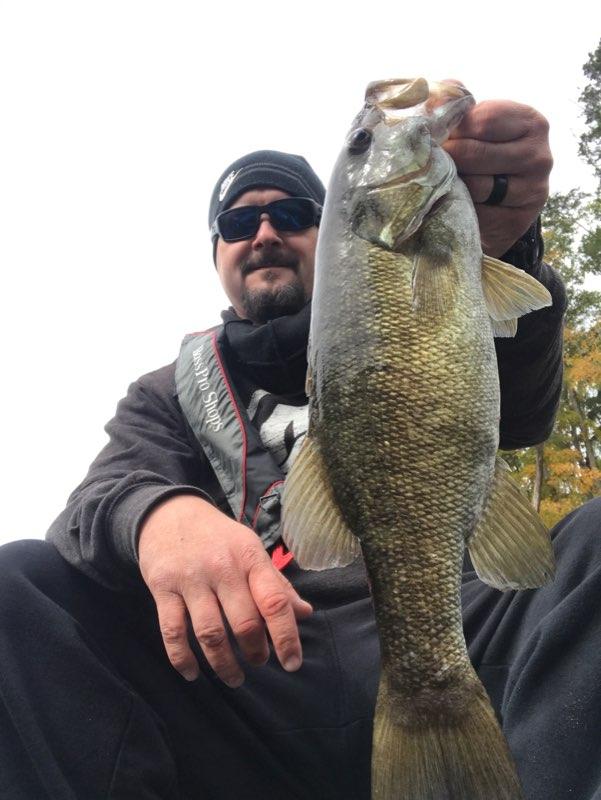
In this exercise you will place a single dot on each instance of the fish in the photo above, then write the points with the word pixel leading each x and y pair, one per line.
pixel 399 465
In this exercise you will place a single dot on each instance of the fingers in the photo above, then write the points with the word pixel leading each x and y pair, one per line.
pixel 518 157
pixel 518 188
pixel 274 607
pixel 245 621
pixel 255 599
pixel 251 603
pixel 501 121
pixel 301 608
pixel 276 604
pixel 200 564
pixel 454 81
pixel 172 622
pixel 211 634
pixel 499 137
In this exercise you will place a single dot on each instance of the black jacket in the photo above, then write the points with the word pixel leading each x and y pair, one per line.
pixel 152 452
pixel 536 652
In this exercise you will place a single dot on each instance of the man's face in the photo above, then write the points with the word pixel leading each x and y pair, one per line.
pixel 270 274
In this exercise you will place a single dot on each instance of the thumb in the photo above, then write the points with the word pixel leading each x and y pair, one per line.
pixel 453 81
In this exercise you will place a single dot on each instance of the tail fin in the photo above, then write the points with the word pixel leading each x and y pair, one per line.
pixel 463 758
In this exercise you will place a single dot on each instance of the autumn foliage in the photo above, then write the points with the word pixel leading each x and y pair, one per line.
pixel 567 467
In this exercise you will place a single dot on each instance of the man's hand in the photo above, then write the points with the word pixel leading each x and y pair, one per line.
pixel 196 559
pixel 499 137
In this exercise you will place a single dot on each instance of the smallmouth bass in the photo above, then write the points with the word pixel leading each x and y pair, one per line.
pixel 399 462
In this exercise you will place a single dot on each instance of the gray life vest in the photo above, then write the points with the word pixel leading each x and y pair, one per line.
pixel 247 472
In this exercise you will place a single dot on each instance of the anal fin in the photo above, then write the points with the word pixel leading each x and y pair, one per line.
pixel 511 548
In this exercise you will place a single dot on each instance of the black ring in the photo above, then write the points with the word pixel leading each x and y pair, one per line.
pixel 499 190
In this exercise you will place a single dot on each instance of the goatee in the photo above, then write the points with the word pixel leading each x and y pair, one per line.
pixel 261 305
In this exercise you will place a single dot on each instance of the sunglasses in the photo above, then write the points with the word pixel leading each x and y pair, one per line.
pixel 288 214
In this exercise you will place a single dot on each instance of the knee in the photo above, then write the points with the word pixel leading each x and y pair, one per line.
pixel 24 552
pixel 585 518
pixel 25 563
pixel 577 537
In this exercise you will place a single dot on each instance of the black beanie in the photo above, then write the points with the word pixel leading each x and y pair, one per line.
pixel 270 168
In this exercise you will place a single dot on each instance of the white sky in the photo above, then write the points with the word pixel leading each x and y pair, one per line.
pixel 116 120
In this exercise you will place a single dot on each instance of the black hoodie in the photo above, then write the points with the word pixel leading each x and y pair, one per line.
pixel 152 452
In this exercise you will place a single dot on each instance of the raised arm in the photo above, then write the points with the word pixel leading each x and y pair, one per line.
pixel 511 140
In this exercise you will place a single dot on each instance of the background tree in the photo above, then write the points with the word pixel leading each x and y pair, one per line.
pixel 565 471
pixel 590 141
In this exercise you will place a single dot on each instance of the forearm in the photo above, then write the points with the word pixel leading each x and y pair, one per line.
pixel 98 531
pixel 149 457
pixel 530 364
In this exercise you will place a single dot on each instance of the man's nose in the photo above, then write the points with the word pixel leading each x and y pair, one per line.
pixel 266 234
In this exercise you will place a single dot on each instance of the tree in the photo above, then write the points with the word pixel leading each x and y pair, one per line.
pixel 565 471
pixel 590 141
pixel 590 150
pixel 571 225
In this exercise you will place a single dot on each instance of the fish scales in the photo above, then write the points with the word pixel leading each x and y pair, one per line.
pixel 403 430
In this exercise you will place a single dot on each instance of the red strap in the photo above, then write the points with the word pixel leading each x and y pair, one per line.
pixel 281 556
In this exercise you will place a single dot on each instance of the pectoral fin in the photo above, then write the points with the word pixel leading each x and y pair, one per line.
pixel 434 284
pixel 511 548
pixel 314 529
pixel 510 293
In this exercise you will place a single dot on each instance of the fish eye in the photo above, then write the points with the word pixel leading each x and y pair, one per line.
pixel 359 141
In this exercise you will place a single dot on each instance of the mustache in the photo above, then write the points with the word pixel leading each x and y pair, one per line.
pixel 270 258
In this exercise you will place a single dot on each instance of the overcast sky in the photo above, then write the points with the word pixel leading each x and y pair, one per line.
pixel 116 120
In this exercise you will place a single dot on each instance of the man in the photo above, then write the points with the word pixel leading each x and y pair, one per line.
pixel 146 671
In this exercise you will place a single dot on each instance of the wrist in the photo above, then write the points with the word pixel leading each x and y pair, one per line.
pixel 181 501
pixel 527 252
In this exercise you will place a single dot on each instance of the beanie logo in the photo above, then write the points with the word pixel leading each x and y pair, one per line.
pixel 226 183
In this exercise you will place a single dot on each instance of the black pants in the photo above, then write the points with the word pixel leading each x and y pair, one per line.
pixel 90 708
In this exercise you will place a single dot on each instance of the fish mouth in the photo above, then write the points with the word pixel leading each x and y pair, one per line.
pixel 406 177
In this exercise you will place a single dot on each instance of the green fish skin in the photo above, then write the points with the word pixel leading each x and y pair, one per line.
pixel 399 462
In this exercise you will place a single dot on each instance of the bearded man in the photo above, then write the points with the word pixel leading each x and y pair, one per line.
pixel 151 648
